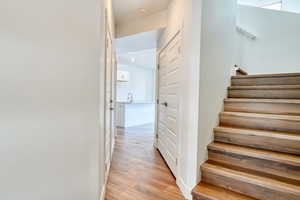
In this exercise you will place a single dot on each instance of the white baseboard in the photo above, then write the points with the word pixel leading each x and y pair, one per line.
pixel 186 191
pixel 102 196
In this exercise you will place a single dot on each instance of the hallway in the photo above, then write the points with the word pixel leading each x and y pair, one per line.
pixel 138 172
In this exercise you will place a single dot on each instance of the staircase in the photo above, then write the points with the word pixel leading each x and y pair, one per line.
pixel 256 148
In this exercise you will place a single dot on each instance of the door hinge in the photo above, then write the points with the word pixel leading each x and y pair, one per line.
pixel 176 161
pixel 158 66
pixel 157 101
pixel 156 136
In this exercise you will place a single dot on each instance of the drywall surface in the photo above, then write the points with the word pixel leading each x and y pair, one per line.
pixel 276 49
pixel 186 16
pixel 50 65
pixel 217 60
pixel 141 84
pixel 291 5
pixel 287 5
pixel 143 24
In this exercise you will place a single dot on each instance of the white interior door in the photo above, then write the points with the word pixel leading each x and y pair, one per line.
pixel 108 97
pixel 169 61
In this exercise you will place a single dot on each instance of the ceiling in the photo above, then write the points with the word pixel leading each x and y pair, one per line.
pixel 126 10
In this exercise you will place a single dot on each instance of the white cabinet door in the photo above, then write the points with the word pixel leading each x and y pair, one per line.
pixel 169 83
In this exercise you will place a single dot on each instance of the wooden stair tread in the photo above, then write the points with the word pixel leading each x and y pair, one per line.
pixel 255 132
pixel 209 192
pixel 266 75
pixel 278 101
pixel 265 87
pixel 256 153
pixel 284 142
pixel 263 106
pixel 251 178
pixel 264 116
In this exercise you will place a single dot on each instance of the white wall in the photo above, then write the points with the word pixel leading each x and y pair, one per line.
pixel 291 5
pixel 217 61
pixel 276 49
pixel 257 3
pixel 143 24
pixel 141 84
pixel 287 5
pixel 49 101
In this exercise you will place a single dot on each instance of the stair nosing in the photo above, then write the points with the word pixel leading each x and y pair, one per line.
pixel 263 116
pixel 269 155
pixel 213 196
pixel 266 76
pixel 264 87
pixel 251 178
pixel 258 132
pixel 275 101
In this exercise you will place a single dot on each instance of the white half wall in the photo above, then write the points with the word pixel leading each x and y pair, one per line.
pixel 276 49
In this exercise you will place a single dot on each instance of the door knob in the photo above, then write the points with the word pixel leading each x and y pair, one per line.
pixel 165 104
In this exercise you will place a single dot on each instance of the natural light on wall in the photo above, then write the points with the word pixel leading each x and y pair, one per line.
pixel 274 6
pixel 268 4
pixel 281 5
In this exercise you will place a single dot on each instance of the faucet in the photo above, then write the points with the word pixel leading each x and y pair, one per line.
pixel 130 97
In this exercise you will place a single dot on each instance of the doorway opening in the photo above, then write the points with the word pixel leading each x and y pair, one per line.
pixel 136 81
pixel 146 117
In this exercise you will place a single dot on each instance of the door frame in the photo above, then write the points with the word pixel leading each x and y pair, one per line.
pixel 106 107
pixel 159 52
pixel 113 100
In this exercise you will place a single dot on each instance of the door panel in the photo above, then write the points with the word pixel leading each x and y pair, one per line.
pixel 169 94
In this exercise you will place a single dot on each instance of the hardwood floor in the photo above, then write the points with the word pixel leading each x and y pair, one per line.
pixel 138 171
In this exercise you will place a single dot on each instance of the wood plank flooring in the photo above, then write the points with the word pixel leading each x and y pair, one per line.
pixel 138 171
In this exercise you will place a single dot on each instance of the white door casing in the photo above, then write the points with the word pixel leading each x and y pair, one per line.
pixel 113 100
pixel 169 95
pixel 108 96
